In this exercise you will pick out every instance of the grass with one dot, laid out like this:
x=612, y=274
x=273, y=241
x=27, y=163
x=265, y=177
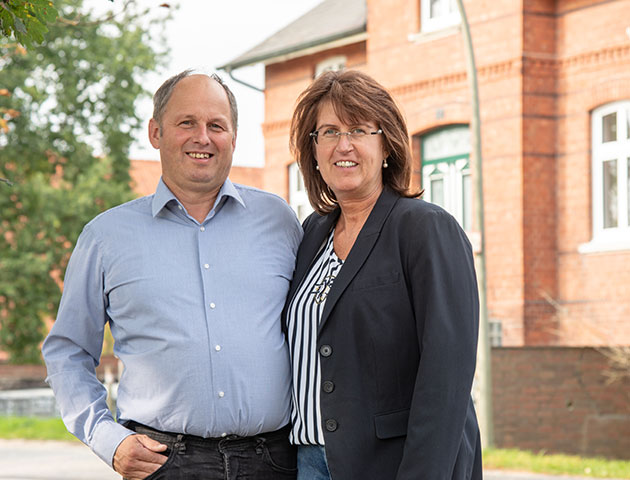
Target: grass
x=32, y=428
x=555, y=464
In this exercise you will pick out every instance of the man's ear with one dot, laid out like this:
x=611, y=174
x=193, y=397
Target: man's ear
x=154, y=134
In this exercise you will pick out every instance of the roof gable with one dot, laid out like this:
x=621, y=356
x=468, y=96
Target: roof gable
x=329, y=21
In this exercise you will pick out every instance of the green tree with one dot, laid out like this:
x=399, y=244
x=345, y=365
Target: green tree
x=26, y=20
x=64, y=148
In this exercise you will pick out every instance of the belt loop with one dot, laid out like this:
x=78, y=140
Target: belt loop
x=180, y=445
x=260, y=444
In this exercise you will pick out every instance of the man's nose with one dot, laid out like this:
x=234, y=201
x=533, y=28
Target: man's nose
x=201, y=135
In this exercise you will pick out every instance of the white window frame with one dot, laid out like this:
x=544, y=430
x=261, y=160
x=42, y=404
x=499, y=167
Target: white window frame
x=452, y=173
x=331, y=64
x=612, y=238
x=298, y=198
x=495, y=333
x=450, y=165
x=430, y=23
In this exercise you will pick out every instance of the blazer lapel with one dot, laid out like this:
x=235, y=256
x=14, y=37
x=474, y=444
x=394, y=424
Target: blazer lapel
x=313, y=238
x=360, y=250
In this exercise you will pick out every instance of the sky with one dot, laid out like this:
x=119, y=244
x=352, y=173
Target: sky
x=204, y=34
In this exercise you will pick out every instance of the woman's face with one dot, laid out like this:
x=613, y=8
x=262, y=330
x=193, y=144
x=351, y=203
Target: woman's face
x=352, y=168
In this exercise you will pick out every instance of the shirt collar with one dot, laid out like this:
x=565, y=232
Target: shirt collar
x=163, y=196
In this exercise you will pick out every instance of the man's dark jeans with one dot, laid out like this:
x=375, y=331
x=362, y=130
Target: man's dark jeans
x=267, y=456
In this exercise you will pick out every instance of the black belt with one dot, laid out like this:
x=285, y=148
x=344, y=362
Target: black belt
x=170, y=438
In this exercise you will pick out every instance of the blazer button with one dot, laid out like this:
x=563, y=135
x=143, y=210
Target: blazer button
x=328, y=386
x=325, y=350
x=331, y=425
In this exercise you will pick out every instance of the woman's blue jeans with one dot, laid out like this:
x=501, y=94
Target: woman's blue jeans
x=311, y=463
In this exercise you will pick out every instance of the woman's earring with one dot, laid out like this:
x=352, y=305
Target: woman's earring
x=316, y=167
x=385, y=165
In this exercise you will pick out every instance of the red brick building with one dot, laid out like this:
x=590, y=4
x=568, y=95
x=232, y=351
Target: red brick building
x=554, y=80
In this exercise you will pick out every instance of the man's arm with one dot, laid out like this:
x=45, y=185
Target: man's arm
x=72, y=351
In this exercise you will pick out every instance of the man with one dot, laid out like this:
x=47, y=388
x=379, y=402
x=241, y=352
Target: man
x=192, y=281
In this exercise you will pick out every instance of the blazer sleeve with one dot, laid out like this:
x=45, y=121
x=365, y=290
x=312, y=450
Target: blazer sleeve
x=440, y=276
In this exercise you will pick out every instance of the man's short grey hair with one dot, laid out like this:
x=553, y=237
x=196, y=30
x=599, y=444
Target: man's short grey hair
x=163, y=94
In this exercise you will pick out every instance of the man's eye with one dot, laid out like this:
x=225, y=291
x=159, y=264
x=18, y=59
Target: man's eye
x=329, y=132
x=358, y=131
x=216, y=127
x=186, y=123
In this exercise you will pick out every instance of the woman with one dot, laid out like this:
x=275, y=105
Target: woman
x=382, y=315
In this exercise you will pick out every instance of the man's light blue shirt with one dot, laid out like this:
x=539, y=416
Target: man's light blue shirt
x=195, y=313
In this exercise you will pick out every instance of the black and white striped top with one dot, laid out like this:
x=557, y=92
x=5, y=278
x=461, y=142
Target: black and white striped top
x=304, y=315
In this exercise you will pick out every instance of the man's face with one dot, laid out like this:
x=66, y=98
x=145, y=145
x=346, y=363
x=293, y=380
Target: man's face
x=196, y=139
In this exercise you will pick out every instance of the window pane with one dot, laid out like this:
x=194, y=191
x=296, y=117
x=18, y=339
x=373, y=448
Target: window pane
x=609, y=127
x=610, y=193
x=438, y=8
x=446, y=143
x=495, y=333
x=467, y=202
x=437, y=192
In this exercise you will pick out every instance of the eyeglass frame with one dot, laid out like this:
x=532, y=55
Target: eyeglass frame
x=315, y=134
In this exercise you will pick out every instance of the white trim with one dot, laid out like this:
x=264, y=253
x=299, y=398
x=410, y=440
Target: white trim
x=430, y=23
x=602, y=245
x=342, y=42
x=298, y=198
x=452, y=175
x=425, y=37
x=612, y=238
x=331, y=64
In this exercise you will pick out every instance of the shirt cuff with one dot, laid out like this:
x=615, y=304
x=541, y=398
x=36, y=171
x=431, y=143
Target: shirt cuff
x=107, y=436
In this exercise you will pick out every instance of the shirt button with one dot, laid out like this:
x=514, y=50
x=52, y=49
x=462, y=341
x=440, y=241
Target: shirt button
x=331, y=425
x=180, y=207
x=328, y=386
x=206, y=266
x=212, y=305
x=203, y=229
x=217, y=348
x=221, y=394
x=325, y=350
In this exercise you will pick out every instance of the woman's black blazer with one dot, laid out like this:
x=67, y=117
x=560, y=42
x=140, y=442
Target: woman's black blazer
x=397, y=344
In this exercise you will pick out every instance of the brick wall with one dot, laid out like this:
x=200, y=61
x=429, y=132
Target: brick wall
x=145, y=175
x=543, y=65
x=545, y=398
x=557, y=399
x=593, y=51
x=33, y=376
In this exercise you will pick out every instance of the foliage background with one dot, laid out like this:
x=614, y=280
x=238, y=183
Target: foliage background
x=67, y=115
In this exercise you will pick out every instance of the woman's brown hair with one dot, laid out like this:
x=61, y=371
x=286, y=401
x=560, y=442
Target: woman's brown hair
x=355, y=98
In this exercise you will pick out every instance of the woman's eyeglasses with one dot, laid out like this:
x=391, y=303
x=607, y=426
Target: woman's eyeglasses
x=330, y=136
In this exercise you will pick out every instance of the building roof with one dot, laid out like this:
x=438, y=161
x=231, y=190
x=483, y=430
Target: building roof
x=329, y=21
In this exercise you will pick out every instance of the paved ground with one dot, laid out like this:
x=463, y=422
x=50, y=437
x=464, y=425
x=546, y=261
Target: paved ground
x=34, y=460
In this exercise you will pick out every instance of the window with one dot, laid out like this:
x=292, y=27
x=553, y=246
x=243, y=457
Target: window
x=495, y=333
x=438, y=14
x=611, y=172
x=331, y=64
x=446, y=175
x=298, y=199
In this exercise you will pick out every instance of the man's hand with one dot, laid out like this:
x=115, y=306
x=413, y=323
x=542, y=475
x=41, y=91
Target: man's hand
x=137, y=457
